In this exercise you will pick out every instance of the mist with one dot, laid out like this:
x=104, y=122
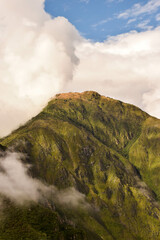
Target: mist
x=41, y=56
x=17, y=185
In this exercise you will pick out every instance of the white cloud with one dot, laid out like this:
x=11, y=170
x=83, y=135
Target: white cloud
x=124, y=67
x=158, y=17
x=144, y=25
x=131, y=20
x=138, y=9
x=101, y=22
x=37, y=58
x=16, y=184
x=85, y=1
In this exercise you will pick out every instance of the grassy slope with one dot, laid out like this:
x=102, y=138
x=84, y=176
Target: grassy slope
x=145, y=154
x=86, y=141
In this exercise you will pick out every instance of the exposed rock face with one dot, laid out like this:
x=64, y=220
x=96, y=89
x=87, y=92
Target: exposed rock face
x=107, y=150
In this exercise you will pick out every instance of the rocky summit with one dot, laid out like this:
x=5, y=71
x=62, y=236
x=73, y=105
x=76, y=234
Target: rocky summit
x=106, y=151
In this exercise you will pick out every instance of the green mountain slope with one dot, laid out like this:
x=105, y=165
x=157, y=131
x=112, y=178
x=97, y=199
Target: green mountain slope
x=107, y=150
x=145, y=153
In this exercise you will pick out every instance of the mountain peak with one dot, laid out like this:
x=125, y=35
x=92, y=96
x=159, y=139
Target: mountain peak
x=82, y=95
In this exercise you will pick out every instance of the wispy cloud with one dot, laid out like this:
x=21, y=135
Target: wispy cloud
x=144, y=25
x=138, y=9
x=158, y=17
x=101, y=22
x=131, y=20
x=85, y=1
x=66, y=7
x=110, y=1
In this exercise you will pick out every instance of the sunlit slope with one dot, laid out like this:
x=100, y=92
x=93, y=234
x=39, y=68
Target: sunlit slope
x=90, y=142
x=145, y=153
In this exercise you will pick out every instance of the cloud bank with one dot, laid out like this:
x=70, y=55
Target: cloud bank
x=37, y=59
x=16, y=184
x=41, y=56
x=124, y=67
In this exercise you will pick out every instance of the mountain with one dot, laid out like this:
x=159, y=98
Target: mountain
x=105, y=149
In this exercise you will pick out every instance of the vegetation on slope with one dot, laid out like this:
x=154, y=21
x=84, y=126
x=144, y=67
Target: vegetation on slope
x=105, y=149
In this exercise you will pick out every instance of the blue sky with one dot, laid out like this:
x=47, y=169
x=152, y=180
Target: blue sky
x=98, y=19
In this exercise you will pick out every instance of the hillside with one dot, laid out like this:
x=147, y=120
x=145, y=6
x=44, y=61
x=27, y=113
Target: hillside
x=107, y=150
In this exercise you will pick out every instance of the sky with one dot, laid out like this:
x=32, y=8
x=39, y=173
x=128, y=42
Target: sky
x=98, y=19
x=51, y=46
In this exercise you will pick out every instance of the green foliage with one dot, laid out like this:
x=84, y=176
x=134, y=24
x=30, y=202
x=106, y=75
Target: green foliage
x=35, y=222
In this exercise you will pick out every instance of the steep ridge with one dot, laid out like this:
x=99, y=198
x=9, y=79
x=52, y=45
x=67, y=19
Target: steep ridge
x=104, y=148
